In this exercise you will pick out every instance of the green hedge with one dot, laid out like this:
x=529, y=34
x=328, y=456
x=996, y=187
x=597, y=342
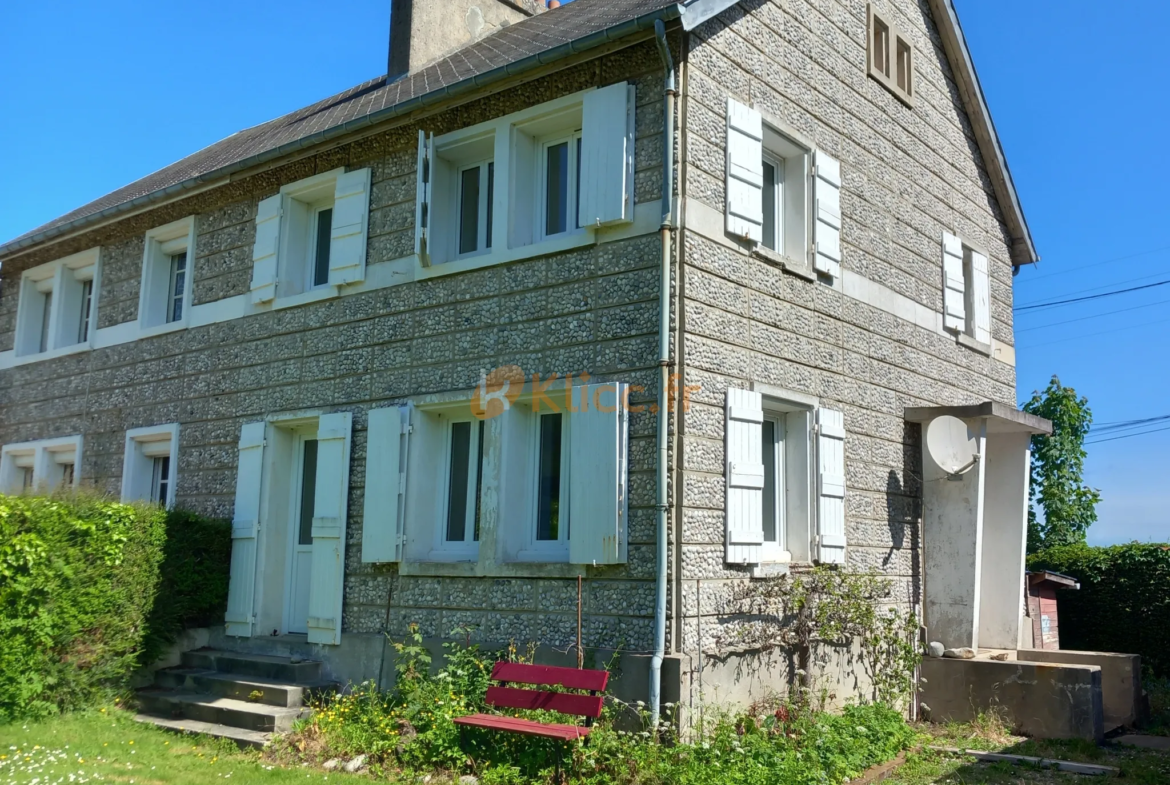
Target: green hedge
x=90, y=589
x=1123, y=604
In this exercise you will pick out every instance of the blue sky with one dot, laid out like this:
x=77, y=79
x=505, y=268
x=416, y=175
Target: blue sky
x=94, y=95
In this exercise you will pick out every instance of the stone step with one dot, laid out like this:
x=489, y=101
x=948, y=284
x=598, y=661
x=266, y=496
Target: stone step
x=220, y=711
x=263, y=666
x=252, y=689
x=244, y=738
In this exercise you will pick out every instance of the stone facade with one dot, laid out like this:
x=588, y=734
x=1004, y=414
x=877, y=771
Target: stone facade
x=738, y=319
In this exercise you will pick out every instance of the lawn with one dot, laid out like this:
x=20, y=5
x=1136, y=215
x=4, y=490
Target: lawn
x=109, y=746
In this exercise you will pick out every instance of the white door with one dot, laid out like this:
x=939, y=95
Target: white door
x=301, y=534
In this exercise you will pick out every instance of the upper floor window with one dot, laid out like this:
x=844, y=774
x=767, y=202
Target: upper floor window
x=48, y=464
x=166, y=274
x=311, y=237
x=55, y=309
x=891, y=57
x=966, y=290
x=560, y=184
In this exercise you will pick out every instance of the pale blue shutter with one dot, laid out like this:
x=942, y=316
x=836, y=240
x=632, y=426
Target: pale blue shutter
x=351, y=213
x=386, y=443
x=607, y=157
x=830, y=486
x=744, y=476
x=827, y=239
x=327, y=586
x=954, y=285
x=745, y=172
x=264, y=249
x=598, y=495
x=245, y=528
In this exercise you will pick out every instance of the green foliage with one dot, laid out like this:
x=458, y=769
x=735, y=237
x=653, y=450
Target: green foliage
x=83, y=597
x=410, y=731
x=193, y=580
x=1058, y=468
x=1122, y=605
x=836, y=607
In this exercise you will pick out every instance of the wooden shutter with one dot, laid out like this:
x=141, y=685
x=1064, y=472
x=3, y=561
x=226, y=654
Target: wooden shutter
x=745, y=172
x=245, y=528
x=830, y=487
x=607, y=157
x=745, y=477
x=954, y=285
x=264, y=250
x=598, y=498
x=351, y=215
x=981, y=297
x=327, y=582
x=382, y=531
x=422, y=210
x=827, y=227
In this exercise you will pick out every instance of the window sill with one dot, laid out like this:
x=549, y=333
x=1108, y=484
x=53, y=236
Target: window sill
x=161, y=329
x=504, y=255
x=311, y=296
x=11, y=359
x=976, y=346
x=486, y=569
x=785, y=263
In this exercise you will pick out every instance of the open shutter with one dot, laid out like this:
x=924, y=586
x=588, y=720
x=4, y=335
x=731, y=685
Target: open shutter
x=954, y=285
x=245, y=527
x=351, y=214
x=830, y=487
x=329, y=513
x=745, y=172
x=265, y=248
x=382, y=535
x=607, y=156
x=745, y=477
x=827, y=240
x=598, y=498
x=981, y=299
x=422, y=209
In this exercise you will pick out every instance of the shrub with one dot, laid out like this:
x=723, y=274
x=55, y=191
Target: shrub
x=1122, y=604
x=82, y=599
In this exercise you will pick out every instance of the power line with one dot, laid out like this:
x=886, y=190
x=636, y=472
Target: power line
x=1091, y=335
x=1127, y=436
x=1129, y=423
x=1091, y=297
x=1093, y=316
x=1105, y=285
x=1098, y=264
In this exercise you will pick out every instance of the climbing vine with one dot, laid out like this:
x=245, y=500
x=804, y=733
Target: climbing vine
x=836, y=608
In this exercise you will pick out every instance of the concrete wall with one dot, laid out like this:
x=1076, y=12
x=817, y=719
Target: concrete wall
x=1005, y=539
x=1040, y=700
x=1121, y=680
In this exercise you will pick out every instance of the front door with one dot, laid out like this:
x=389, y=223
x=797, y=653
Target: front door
x=301, y=536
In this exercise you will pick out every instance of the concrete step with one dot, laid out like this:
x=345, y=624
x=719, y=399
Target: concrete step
x=263, y=666
x=244, y=738
x=175, y=705
x=252, y=689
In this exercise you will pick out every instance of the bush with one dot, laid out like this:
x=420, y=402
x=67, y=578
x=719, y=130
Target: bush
x=410, y=729
x=1122, y=605
x=83, y=601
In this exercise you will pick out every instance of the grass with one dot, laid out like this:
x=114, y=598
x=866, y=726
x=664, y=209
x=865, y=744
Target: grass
x=107, y=745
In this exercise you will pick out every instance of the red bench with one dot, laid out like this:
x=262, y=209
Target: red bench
x=503, y=696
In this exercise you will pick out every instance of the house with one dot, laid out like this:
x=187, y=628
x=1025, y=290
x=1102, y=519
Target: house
x=444, y=344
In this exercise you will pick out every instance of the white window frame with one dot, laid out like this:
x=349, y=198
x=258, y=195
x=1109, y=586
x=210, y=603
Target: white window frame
x=156, y=297
x=572, y=196
x=534, y=550
x=793, y=160
x=301, y=204
x=484, y=209
x=143, y=446
x=468, y=548
x=48, y=459
x=313, y=246
x=43, y=333
x=794, y=500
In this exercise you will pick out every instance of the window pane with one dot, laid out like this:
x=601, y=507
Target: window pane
x=67, y=474
x=86, y=307
x=577, y=195
x=881, y=47
x=308, y=492
x=45, y=314
x=556, y=200
x=548, y=507
x=162, y=471
x=491, y=197
x=770, y=206
x=478, y=478
x=469, y=210
x=324, y=234
x=904, y=68
x=769, y=461
x=26, y=478
x=178, y=286
x=457, y=491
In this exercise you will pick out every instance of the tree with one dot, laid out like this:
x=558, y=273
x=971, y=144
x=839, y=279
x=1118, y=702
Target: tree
x=1058, y=467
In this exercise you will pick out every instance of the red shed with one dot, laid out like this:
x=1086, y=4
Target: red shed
x=1042, y=586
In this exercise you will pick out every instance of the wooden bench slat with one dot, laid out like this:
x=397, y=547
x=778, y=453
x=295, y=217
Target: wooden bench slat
x=525, y=727
x=550, y=676
x=564, y=702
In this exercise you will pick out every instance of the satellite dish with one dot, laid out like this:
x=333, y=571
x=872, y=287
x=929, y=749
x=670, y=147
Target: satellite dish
x=951, y=444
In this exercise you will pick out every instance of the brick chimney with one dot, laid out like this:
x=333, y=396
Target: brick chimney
x=423, y=31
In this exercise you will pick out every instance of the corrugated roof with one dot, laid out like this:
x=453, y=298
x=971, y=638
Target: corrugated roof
x=511, y=45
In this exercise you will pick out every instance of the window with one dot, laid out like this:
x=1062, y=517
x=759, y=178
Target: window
x=550, y=529
x=785, y=196
x=476, y=194
x=966, y=291
x=464, y=477
x=462, y=174
x=48, y=464
x=560, y=185
x=891, y=57
x=784, y=435
x=55, y=308
x=311, y=237
x=150, y=463
x=166, y=275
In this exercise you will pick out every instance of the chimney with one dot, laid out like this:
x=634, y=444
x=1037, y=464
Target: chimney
x=423, y=31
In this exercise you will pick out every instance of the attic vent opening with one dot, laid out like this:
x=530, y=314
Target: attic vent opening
x=891, y=57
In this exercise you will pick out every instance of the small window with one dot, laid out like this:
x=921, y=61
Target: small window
x=785, y=196
x=166, y=274
x=787, y=461
x=306, y=234
x=560, y=185
x=463, y=193
x=46, y=309
x=308, y=491
x=891, y=57
x=549, y=532
x=43, y=465
x=148, y=467
x=323, y=221
x=476, y=193
x=26, y=478
x=160, y=480
x=55, y=307
x=464, y=476
x=86, y=311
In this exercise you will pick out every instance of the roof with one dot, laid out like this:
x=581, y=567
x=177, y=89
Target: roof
x=526, y=45
x=1001, y=418
x=1059, y=578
